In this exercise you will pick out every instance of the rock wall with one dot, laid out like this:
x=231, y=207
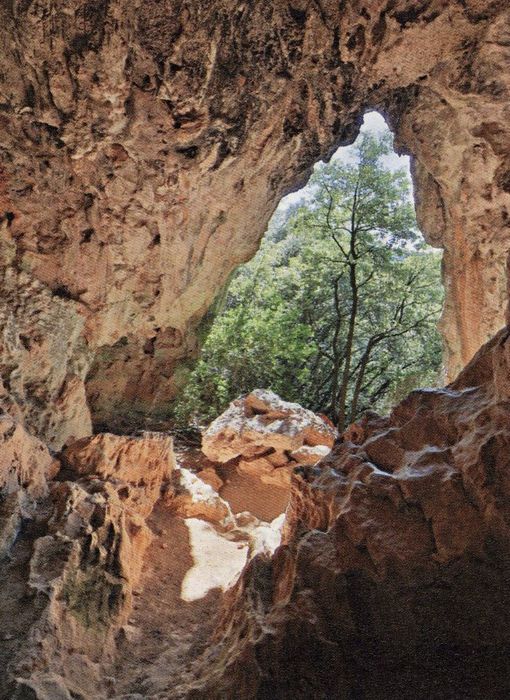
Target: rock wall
x=391, y=581
x=144, y=146
x=71, y=553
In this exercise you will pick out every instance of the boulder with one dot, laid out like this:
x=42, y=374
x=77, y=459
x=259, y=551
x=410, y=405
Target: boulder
x=255, y=467
x=261, y=423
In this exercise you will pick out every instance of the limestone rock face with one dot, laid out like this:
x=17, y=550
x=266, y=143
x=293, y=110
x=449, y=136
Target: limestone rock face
x=70, y=569
x=111, y=568
x=25, y=461
x=309, y=454
x=139, y=465
x=391, y=581
x=191, y=496
x=43, y=355
x=25, y=468
x=144, y=147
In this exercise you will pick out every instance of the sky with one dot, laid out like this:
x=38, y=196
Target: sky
x=373, y=123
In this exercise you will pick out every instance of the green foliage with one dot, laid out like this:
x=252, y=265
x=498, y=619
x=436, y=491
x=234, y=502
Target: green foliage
x=93, y=597
x=338, y=309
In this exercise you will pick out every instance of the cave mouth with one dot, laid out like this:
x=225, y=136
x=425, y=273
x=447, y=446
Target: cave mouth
x=255, y=485
x=238, y=490
x=261, y=316
x=267, y=332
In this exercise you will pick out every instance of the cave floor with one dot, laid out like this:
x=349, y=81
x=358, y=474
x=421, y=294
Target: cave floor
x=165, y=633
x=188, y=565
x=247, y=493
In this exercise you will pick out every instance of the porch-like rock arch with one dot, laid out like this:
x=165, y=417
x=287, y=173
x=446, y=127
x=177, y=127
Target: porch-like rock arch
x=145, y=147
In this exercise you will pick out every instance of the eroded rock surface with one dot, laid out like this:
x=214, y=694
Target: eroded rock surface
x=392, y=578
x=114, y=558
x=144, y=147
x=25, y=468
x=263, y=430
x=25, y=461
x=138, y=466
x=70, y=566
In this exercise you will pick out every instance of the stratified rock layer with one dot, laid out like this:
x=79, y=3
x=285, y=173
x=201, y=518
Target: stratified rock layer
x=144, y=147
x=392, y=581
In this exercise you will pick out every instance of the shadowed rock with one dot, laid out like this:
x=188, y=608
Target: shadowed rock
x=391, y=581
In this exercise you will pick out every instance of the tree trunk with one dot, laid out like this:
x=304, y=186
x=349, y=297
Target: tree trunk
x=342, y=399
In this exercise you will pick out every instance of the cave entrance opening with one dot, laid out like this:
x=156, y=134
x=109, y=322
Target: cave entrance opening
x=337, y=312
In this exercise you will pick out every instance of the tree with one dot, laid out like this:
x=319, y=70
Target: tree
x=338, y=309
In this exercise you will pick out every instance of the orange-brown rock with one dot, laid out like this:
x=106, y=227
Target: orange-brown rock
x=76, y=559
x=190, y=496
x=136, y=465
x=25, y=462
x=82, y=570
x=144, y=148
x=26, y=466
x=258, y=440
x=309, y=454
x=259, y=466
x=391, y=581
x=210, y=476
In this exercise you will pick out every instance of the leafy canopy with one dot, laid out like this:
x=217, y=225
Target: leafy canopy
x=338, y=309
